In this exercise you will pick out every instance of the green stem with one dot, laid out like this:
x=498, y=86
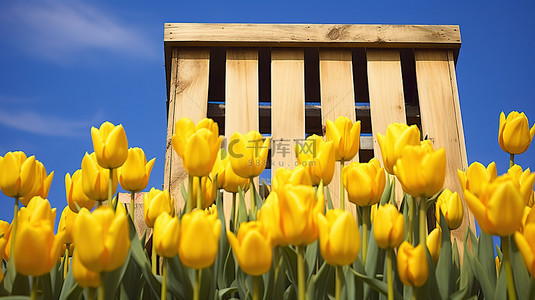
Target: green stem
x=301, y=272
x=154, y=256
x=235, y=211
x=33, y=294
x=110, y=187
x=197, y=288
x=277, y=257
x=422, y=214
x=256, y=289
x=91, y=293
x=511, y=160
x=199, y=194
x=389, y=279
x=339, y=278
x=189, y=203
x=412, y=209
x=252, y=195
x=365, y=222
x=66, y=261
x=14, y=228
x=164, y=280
x=101, y=291
x=342, y=190
x=508, y=271
x=132, y=207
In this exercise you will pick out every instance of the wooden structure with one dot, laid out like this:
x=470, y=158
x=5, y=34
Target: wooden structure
x=286, y=80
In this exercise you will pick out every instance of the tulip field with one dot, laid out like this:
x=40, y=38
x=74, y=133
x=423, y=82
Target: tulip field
x=292, y=244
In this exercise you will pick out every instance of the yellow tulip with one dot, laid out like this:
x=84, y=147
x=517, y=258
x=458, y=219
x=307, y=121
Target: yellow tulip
x=389, y=226
x=41, y=185
x=38, y=210
x=197, y=145
x=525, y=179
x=434, y=242
x=412, y=265
x=66, y=223
x=297, y=176
x=421, y=170
x=248, y=153
x=37, y=248
x=477, y=177
x=531, y=200
x=226, y=178
x=269, y=216
x=3, y=244
x=5, y=232
x=497, y=262
x=515, y=136
x=339, y=237
x=166, y=233
x=212, y=210
x=110, y=144
x=451, y=206
x=84, y=277
x=75, y=192
x=528, y=216
x=317, y=157
x=195, y=253
x=208, y=191
x=252, y=248
x=345, y=136
x=17, y=174
x=95, y=179
x=101, y=238
x=398, y=135
x=525, y=242
x=156, y=202
x=364, y=182
x=373, y=212
x=499, y=208
x=135, y=172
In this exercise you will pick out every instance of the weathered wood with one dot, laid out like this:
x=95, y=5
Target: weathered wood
x=288, y=105
x=387, y=102
x=188, y=98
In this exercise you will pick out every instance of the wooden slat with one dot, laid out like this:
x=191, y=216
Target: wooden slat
x=337, y=99
x=288, y=105
x=241, y=98
x=387, y=103
x=440, y=113
x=188, y=98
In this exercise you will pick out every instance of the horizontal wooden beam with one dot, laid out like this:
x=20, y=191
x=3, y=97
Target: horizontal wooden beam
x=312, y=35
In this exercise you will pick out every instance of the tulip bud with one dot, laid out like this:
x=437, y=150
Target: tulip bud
x=317, y=157
x=252, y=248
x=66, y=222
x=345, y=136
x=38, y=210
x=3, y=244
x=525, y=179
x=528, y=217
x=226, y=178
x=434, y=242
x=166, y=235
x=515, y=136
x=208, y=190
x=75, y=192
x=525, y=242
x=17, y=174
x=5, y=232
x=248, y=153
x=477, y=177
x=451, y=206
x=95, y=179
x=389, y=226
x=135, y=172
x=364, y=182
x=297, y=176
x=195, y=225
x=84, y=277
x=412, y=265
x=270, y=217
x=110, y=144
x=339, y=237
x=156, y=202
x=398, y=135
x=41, y=185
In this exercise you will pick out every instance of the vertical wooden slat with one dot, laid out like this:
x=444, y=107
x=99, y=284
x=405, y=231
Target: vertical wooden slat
x=287, y=105
x=188, y=98
x=241, y=99
x=387, y=103
x=337, y=99
x=441, y=118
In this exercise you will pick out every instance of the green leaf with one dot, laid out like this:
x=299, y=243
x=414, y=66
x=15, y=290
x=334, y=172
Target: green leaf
x=227, y=291
x=70, y=290
x=112, y=280
x=485, y=250
x=387, y=192
x=444, y=270
x=290, y=259
x=501, y=285
x=311, y=257
x=131, y=283
x=520, y=272
x=479, y=272
x=184, y=195
x=328, y=197
x=242, y=209
x=179, y=279
x=376, y=284
x=45, y=285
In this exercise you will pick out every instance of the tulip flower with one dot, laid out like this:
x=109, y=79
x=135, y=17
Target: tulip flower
x=434, y=242
x=412, y=265
x=339, y=237
x=3, y=244
x=515, y=135
x=248, y=153
x=41, y=185
x=317, y=157
x=66, y=223
x=110, y=144
x=421, y=170
x=345, y=136
x=525, y=179
x=398, y=135
x=208, y=191
x=5, y=232
x=101, y=238
x=498, y=209
x=531, y=200
x=75, y=192
x=528, y=217
x=83, y=276
x=477, y=177
x=166, y=235
x=37, y=211
x=389, y=228
x=195, y=225
x=135, y=172
x=451, y=206
x=197, y=145
x=156, y=202
x=226, y=178
x=525, y=242
x=17, y=174
x=252, y=248
x=297, y=176
x=95, y=179
x=269, y=216
x=364, y=182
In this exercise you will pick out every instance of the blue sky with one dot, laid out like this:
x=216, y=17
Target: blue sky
x=66, y=66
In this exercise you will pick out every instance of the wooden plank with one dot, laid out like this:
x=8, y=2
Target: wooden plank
x=387, y=103
x=337, y=99
x=188, y=98
x=441, y=119
x=310, y=35
x=288, y=105
x=241, y=98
